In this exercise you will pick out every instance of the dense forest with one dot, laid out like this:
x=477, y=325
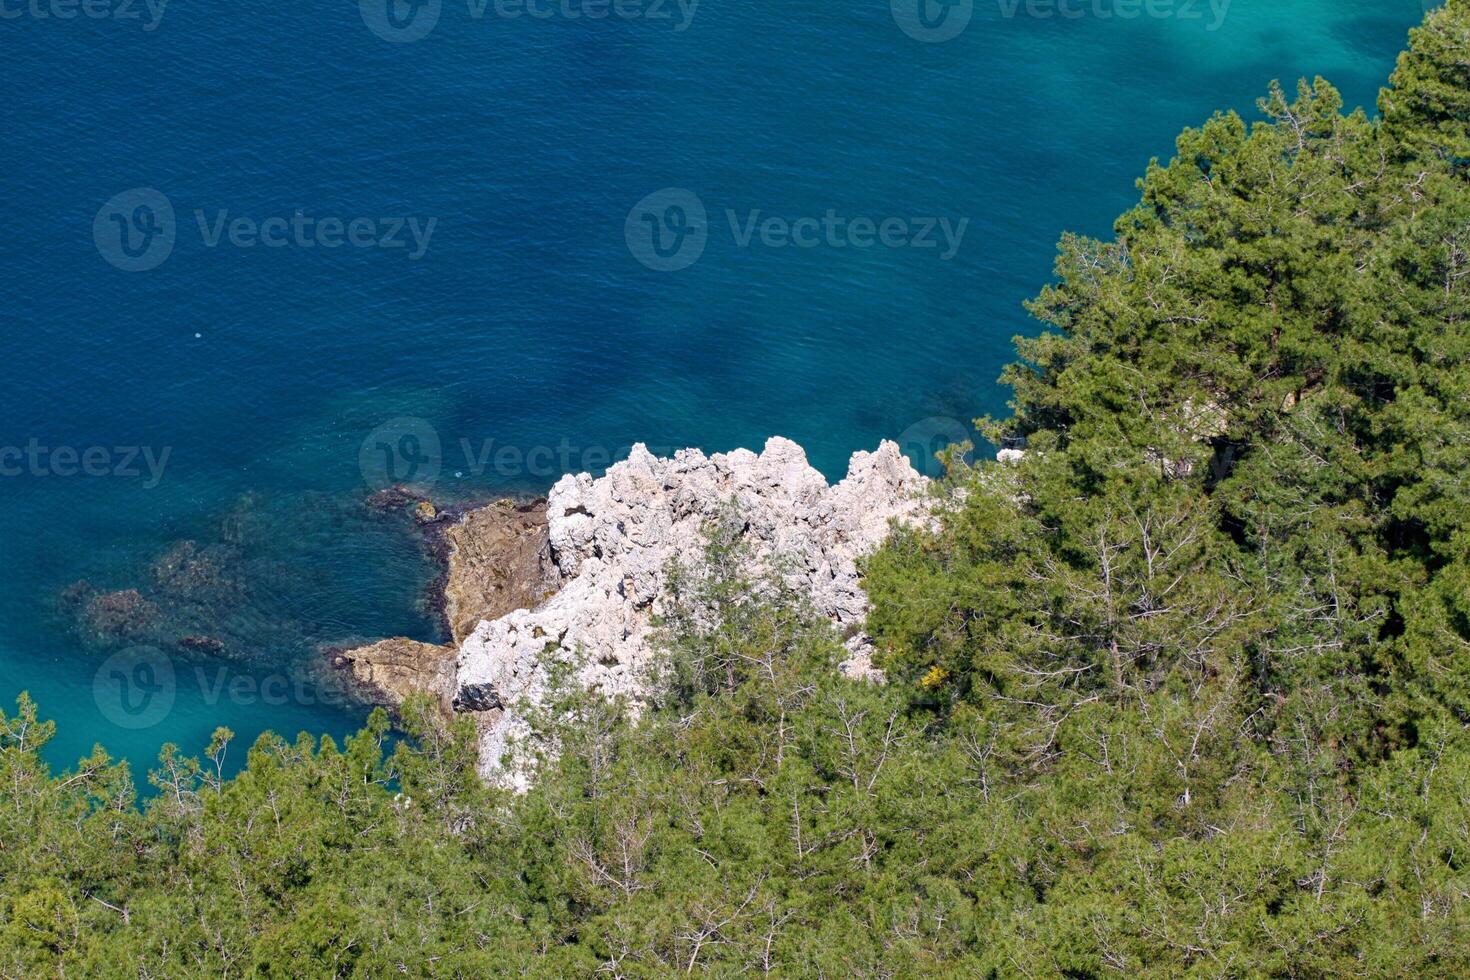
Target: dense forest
x=1183, y=691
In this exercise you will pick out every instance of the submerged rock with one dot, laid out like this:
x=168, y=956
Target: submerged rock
x=189, y=572
x=202, y=644
x=247, y=591
x=394, y=500
x=121, y=616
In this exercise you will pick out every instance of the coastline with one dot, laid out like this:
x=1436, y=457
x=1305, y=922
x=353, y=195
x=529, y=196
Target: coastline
x=492, y=558
x=573, y=585
x=436, y=528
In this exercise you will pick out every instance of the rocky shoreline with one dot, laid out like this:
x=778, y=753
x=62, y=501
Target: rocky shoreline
x=493, y=558
x=575, y=581
x=569, y=585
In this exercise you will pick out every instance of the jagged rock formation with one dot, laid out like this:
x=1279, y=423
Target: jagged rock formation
x=577, y=580
x=612, y=540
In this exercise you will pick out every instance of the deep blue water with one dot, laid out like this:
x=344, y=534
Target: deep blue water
x=527, y=321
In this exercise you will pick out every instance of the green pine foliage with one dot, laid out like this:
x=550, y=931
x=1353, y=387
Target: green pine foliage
x=1185, y=692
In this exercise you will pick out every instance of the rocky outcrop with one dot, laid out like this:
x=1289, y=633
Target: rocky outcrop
x=390, y=671
x=612, y=540
x=576, y=581
x=496, y=559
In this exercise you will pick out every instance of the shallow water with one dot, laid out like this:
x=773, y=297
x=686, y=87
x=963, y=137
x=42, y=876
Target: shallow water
x=527, y=338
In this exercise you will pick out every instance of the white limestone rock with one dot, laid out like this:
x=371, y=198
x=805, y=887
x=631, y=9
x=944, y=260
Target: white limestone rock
x=613, y=538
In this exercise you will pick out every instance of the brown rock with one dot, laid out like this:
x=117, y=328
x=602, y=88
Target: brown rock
x=77, y=593
x=499, y=560
x=391, y=670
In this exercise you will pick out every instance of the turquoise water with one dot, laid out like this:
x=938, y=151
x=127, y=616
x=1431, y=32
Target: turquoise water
x=527, y=337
